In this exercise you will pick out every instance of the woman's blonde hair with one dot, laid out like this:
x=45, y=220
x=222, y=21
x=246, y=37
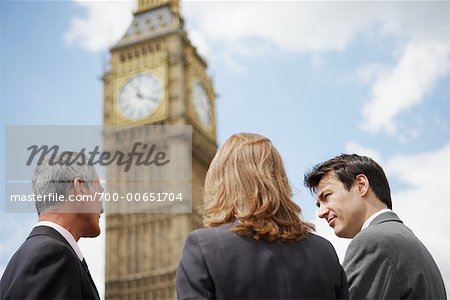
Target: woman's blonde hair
x=246, y=181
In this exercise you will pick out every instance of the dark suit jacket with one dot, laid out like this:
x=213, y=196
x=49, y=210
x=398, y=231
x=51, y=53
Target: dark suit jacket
x=218, y=263
x=46, y=267
x=387, y=261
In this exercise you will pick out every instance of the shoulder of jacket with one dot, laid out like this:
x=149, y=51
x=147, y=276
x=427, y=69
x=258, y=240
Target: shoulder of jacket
x=312, y=237
x=43, y=249
x=378, y=236
x=212, y=235
x=55, y=248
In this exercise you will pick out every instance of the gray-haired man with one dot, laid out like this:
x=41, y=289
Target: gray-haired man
x=49, y=264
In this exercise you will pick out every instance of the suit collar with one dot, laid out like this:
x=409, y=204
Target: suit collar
x=389, y=216
x=51, y=232
x=66, y=234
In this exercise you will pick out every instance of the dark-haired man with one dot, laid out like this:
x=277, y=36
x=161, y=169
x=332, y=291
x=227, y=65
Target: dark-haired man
x=385, y=260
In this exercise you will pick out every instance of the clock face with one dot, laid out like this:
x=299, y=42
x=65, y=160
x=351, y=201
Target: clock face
x=201, y=104
x=140, y=96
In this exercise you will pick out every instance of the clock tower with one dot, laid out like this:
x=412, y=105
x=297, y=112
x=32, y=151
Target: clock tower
x=156, y=77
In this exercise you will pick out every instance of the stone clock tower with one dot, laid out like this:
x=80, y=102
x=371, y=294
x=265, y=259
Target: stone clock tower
x=156, y=77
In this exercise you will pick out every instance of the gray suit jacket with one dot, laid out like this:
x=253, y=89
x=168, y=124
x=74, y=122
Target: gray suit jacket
x=219, y=264
x=387, y=261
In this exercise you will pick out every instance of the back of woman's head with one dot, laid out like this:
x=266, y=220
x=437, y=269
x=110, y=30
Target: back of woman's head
x=247, y=181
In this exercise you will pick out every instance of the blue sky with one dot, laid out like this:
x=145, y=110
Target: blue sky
x=318, y=79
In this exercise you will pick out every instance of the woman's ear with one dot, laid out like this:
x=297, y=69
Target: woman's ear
x=362, y=182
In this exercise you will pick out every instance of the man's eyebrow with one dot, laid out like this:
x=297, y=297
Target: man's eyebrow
x=320, y=195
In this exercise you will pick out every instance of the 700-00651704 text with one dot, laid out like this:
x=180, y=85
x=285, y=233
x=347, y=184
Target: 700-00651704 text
x=146, y=197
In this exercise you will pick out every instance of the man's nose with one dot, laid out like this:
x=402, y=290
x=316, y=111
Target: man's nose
x=323, y=211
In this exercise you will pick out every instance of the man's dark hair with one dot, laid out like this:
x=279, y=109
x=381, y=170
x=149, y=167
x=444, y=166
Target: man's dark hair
x=347, y=167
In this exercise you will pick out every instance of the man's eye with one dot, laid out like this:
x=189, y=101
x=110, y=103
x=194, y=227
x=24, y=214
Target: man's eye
x=318, y=204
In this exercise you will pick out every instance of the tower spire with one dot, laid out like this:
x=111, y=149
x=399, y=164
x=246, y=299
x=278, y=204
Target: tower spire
x=145, y=5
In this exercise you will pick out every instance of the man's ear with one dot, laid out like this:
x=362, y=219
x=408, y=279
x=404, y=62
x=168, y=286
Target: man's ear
x=362, y=182
x=79, y=186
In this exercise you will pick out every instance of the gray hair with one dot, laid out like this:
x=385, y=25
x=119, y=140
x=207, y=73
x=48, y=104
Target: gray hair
x=57, y=178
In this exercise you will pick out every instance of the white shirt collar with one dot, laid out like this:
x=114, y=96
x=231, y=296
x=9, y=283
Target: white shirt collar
x=370, y=219
x=66, y=234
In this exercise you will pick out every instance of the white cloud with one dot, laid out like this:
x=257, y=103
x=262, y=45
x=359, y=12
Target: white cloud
x=102, y=26
x=423, y=206
x=199, y=41
x=421, y=64
x=240, y=28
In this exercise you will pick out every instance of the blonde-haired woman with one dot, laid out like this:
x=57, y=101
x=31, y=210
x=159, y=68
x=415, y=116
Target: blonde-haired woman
x=256, y=246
